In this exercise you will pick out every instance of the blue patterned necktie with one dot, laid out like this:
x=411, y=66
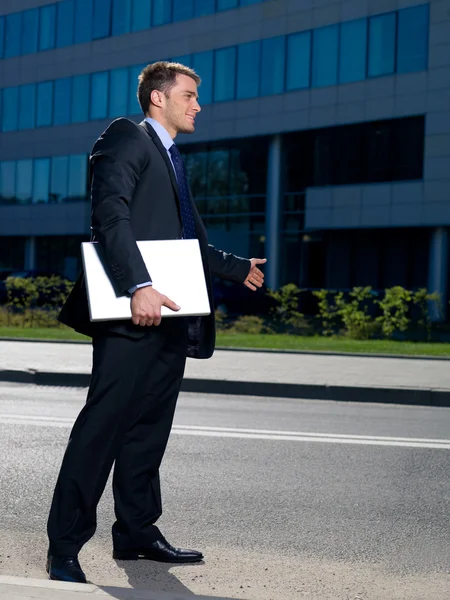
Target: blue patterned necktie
x=187, y=216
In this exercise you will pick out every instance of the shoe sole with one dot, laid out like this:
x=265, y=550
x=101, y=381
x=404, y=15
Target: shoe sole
x=137, y=556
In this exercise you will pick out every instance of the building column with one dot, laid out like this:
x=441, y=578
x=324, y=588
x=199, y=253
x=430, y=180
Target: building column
x=438, y=272
x=273, y=212
x=30, y=253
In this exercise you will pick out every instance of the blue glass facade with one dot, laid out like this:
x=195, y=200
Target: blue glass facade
x=350, y=51
x=80, y=21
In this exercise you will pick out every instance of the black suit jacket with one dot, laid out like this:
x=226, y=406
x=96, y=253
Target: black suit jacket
x=134, y=196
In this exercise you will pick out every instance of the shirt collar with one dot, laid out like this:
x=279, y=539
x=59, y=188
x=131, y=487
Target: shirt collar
x=161, y=132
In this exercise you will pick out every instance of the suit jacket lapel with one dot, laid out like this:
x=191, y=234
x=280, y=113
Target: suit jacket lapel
x=152, y=133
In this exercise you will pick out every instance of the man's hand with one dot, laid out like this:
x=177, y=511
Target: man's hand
x=255, y=277
x=146, y=306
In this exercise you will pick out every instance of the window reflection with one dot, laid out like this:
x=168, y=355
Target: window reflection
x=118, y=93
x=141, y=15
x=8, y=181
x=102, y=19
x=24, y=181
x=203, y=63
x=161, y=12
x=298, y=61
x=10, y=109
x=412, y=51
x=183, y=9
x=121, y=19
x=65, y=20
x=12, y=35
x=2, y=35
x=224, y=71
x=80, y=98
x=30, y=31
x=272, y=66
x=44, y=104
x=47, y=22
x=248, y=69
x=77, y=188
x=99, y=95
x=325, y=52
x=62, y=101
x=59, y=179
x=27, y=106
x=83, y=21
x=353, y=51
x=41, y=180
x=382, y=45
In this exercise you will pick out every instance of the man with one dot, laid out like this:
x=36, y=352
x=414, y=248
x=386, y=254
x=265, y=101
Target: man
x=139, y=191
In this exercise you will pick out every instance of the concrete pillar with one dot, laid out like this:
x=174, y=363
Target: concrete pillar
x=438, y=272
x=273, y=212
x=30, y=253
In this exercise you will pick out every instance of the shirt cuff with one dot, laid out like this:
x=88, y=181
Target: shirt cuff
x=131, y=290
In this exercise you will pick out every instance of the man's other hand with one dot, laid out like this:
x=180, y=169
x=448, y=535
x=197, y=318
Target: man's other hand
x=255, y=277
x=146, y=306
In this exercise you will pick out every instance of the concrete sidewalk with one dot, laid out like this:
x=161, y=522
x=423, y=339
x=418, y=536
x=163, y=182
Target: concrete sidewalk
x=328, y=377
x=20, y=588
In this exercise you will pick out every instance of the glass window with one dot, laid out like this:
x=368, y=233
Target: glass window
x=218, y=173
x=298, y=61
x=65, y=20
x=27, y=106
x=83, y=21
x=412, y=45
x=202, y=63
x=10, y=115
x=41, y=180
x=101, y=26
x=141, y=15
x=184, y=59
x=353, y=51
x=272, y=66
x=224, y=74
x=59, y=179
x=226, y=4
x=80, y=98
x=30, y=30
x=13, y=35
x=44, y=104
x=99, y=95
x=2, y=35
x=61, y=104
x=183, y=9
x=121, y=20
x=196, y=167
x=248, y=70
x=8, y=181
x=77, y=177
x=161, y=12
x=204, y=7
x=382, y=45
x=325, y=52
x=47, y=27
x=118, y=93
x=24, y=181
x=133, y=102
x=248, y=2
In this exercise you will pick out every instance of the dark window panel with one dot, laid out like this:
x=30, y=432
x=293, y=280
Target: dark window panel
x=121, y=19
x=161, y=12
x=13, y=35
x=27, y=106
x=99, y=95
x=83, y=21
x=47, y=24
x=204, y=7
x=349, y=149
x=379, y=150
x=59, y=179
x=408, y=148
x=218, y=173
x=324, y=58
x=44, y=104
x=65, y=23
x=353, y=51
x=248, y=70
x=224, y=74
x=324, y=157
x=12, y=253
x=8, y=182
x=133, y=103
x=30, y=31
x=203, y=63
x=10, y=116
x=118, y=93
x=101, y=27
x=412, y=46
x=272, y=66
x=80, y=98
x=196, y=166
x=24, y=181
x=382, y=44
x=41, y=180
x=77, y=189
x=226, y=4
x=298, y=61
x=183, y=9
x=62, y=101
x=141, y=15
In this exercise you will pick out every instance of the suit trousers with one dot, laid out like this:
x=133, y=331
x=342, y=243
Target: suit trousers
x=126, y=420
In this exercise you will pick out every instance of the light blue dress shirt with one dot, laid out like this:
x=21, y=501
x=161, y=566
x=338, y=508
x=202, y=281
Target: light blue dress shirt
x=167, y=142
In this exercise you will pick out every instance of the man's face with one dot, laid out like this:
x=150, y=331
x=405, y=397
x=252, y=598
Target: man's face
x=181, y=106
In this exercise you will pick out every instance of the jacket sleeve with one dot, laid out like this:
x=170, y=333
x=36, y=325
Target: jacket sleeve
x=228, y=266
x=116, y=163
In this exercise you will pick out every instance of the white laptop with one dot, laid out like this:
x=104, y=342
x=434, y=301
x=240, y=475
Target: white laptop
x=175, y=267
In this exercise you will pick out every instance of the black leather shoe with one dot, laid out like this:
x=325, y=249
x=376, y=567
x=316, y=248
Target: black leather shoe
x=160, y=551
x=65, y=568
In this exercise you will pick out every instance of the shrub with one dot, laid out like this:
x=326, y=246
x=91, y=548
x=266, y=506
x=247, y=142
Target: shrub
x=395, y=307
x=358, y=324
x=329, y=311
x=285, y=314
x=249, y=324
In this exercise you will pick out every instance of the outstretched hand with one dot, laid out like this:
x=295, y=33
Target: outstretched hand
x=255, y=277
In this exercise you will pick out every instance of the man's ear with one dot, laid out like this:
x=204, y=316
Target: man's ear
x=156, y=98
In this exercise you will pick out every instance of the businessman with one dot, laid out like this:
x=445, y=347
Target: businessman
x=139, y=191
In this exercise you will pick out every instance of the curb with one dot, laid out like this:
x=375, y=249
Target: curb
x=405, y=396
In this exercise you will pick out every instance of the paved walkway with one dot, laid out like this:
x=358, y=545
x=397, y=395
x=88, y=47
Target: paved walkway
x=268, y=367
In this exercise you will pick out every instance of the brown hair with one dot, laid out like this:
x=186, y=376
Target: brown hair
x=160, y=76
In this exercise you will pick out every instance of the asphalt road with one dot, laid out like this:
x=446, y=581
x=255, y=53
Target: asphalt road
x=287, y=498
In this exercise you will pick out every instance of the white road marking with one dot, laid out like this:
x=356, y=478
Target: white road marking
x=253, y=434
